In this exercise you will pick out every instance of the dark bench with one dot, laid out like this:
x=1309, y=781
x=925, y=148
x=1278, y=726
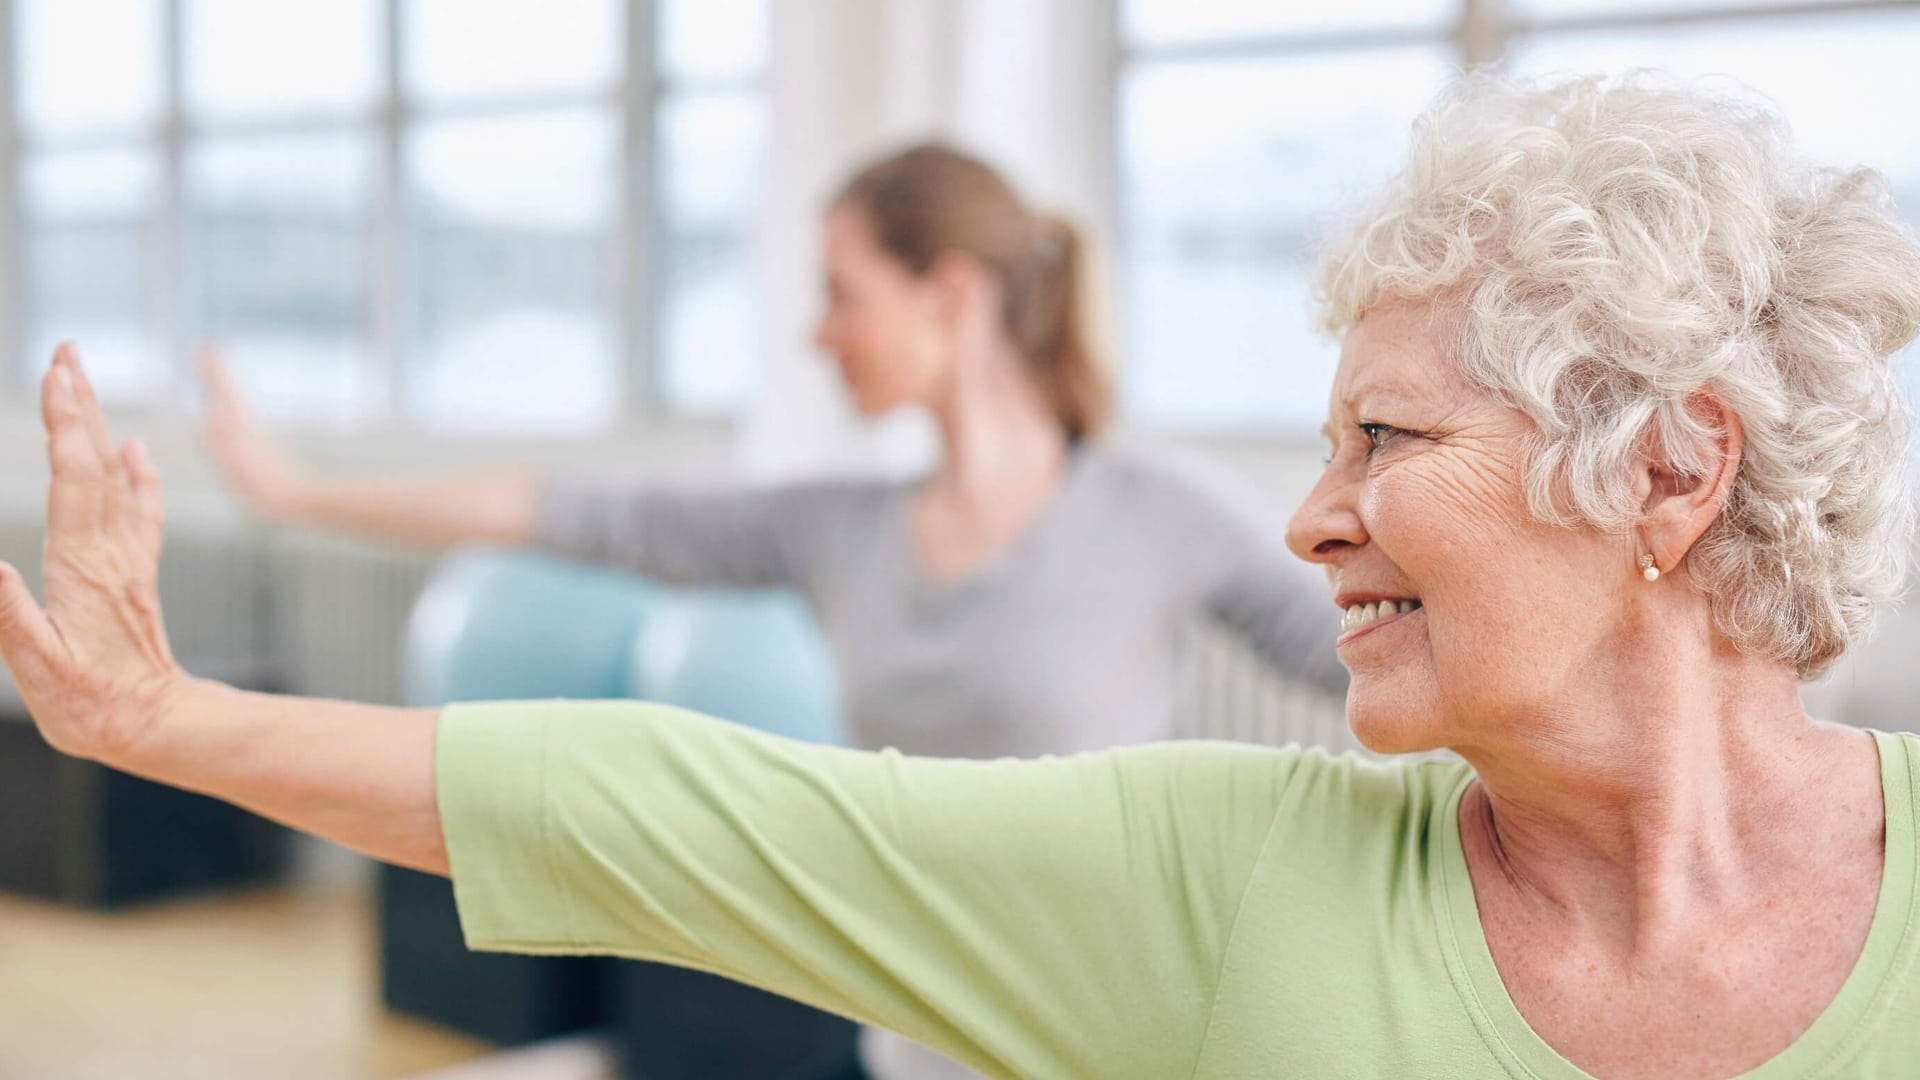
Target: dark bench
x=82, y=834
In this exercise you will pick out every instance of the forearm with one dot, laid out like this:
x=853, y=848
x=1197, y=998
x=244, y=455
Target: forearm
x=492, y=508
x=359, y=775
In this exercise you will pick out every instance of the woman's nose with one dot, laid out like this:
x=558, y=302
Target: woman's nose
x=1328, y=522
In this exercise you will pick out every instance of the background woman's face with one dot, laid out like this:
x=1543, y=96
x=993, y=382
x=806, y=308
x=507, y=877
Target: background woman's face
x=882, y=325
x=1422, y=503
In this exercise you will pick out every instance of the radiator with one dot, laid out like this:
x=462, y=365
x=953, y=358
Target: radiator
x=1226, y=691
x=338, y=616
x=304, y=614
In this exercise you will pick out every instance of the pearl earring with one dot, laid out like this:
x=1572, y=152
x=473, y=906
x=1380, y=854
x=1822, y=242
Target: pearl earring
x=1647, y=569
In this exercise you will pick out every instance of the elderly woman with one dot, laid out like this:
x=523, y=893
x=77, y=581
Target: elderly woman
x=1616, y=462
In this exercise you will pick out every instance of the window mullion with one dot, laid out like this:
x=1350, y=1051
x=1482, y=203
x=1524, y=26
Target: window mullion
x=636, y=288
x=1482, y=32
x=387, y=254
x=12, y=326
x=170, y=259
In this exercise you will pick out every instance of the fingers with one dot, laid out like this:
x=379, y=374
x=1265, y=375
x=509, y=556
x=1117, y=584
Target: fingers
x=77, y=498
x=87, y=406
x=27, y=637
x=222, y=396
x=225, y=418
x=76, y=441
x=93, y=485
x=149, y=502
x=213, y=373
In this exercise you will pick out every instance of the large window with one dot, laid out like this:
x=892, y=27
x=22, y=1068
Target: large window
x=467, y=215
x=1244, y=124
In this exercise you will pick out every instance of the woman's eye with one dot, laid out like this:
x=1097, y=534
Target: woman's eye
x=1377, y=434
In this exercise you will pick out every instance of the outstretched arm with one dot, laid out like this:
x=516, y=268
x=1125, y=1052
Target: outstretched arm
x=771, y=536
x=95, y=670
x=496, y=507
x=1063, y=917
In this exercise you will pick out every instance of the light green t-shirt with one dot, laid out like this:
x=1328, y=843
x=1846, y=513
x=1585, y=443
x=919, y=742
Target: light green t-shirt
x=1185, y=910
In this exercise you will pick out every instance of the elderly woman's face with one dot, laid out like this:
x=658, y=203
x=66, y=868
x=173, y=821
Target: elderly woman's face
x=1463, y=613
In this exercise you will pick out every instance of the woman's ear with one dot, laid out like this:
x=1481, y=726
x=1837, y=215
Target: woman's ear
x=964, y=290
x=1680, y=503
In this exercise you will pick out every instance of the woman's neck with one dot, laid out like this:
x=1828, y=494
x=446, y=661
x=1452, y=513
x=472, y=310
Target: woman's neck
x=1653, y=803
x=1001, y=443
x=1005, y=456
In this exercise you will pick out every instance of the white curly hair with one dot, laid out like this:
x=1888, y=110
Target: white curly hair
x=1613, y=247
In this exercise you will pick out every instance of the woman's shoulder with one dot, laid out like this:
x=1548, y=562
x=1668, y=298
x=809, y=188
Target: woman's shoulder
x=1359, y=828
x=1194, y=499
x=842, y=489
x=1160, y=472
x=831, y=500
x=1369, y=792
x=1900, y=772
x=1322, y=789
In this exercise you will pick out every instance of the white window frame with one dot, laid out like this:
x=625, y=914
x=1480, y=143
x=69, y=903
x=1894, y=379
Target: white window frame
x=1479, y=33
x=634, y=99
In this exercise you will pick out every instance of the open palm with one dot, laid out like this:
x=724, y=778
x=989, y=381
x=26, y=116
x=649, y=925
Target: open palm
x=253, y=464
x=93, y=665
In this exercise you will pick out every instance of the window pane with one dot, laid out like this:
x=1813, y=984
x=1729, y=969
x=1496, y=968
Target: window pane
x=1229, y=169
x=1564, y=8
x=1170, y=22
x=1845, y=81
x=85, y=250
x=279, y=235
x=463, y=49
x=248, y=57
x=709, y=297
x=87, y=64
x=510, y=226
x=713, y=38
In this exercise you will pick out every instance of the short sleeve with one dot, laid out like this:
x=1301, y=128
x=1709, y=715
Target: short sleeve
x=1050, y=918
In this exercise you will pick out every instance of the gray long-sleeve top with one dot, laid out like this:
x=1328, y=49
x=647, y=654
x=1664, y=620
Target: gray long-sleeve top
x=1064, y=642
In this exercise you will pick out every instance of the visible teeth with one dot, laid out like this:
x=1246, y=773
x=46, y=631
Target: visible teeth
x=1360, y=615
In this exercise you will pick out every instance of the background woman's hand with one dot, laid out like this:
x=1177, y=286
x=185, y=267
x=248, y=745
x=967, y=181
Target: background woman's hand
x=254, y=465
x=93, y=666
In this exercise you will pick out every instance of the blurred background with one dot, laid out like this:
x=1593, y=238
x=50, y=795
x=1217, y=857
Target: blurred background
x=583, y=234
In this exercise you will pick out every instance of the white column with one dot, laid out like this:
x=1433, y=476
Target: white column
x=827, y=81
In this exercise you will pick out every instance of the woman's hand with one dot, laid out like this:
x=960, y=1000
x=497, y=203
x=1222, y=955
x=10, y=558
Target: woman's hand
x=253, y=464
x=93, y=666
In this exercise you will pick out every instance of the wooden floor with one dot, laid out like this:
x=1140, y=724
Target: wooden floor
x=269, y=985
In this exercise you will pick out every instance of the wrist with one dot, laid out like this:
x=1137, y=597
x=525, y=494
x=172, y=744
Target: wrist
x=288, y=498
x=161, y=716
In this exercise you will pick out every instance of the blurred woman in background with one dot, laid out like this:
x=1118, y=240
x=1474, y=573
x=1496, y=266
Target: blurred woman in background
x=1024, y=599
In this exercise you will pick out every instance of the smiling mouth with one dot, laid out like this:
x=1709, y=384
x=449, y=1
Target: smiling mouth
x=1359, y=615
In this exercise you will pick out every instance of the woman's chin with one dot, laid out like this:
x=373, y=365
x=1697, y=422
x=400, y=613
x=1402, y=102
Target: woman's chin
x=1383, y=728
x=873, y=406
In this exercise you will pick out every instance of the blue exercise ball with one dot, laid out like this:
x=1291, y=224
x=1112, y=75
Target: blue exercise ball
x=753, y=657
x=499, y=625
